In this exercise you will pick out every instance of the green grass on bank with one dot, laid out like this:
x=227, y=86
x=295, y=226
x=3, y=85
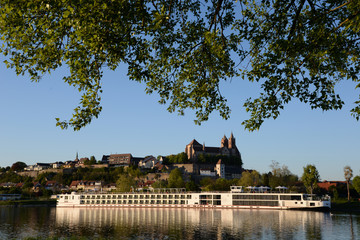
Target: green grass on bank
x=342, y=205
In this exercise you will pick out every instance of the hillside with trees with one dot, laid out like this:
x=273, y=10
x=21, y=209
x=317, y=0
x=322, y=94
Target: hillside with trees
x=130, y=178
x=182, y=158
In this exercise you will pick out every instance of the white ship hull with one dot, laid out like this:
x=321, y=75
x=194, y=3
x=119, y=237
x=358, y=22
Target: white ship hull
x=281, y=201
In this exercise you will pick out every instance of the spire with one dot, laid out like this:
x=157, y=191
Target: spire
x=232, y=141
x=77, y=156
x=224, y=142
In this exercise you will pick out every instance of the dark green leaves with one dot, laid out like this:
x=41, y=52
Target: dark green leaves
x=298, y=49
x=183, y=50
x=310, y=178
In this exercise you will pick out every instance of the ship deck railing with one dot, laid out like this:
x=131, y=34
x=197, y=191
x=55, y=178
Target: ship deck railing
x=199, y=192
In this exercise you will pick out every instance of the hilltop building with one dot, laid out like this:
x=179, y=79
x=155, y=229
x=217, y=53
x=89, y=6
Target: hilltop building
x=227, y=148
x=120, y=160
x=221, y=169
x=148, y=162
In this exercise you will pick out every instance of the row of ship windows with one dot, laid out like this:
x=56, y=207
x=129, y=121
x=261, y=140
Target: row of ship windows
x=133, y=202
x=210, y=196
x=256, y=203
x=268, y=197
x=247, y=203
x=131, y=196
x=290, y=197
x=253, y=196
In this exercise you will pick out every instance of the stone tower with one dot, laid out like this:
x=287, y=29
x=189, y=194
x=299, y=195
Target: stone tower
x=231, y=142
x=224, y=142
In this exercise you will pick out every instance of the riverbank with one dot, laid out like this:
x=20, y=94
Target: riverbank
x=29, y=202
x=345, y=206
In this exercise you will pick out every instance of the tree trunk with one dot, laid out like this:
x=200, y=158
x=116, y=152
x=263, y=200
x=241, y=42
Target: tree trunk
x=348, y=190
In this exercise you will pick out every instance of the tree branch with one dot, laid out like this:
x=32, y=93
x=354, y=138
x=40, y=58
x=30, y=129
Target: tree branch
x=334, y=9
x=295, y=20
x=218, y=7
x=346, y=20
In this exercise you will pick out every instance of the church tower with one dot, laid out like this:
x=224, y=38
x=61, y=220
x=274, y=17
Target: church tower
x=224, y=142
x=232, y=142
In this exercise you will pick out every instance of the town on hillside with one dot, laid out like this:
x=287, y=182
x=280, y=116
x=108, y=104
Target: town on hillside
x=199, y=167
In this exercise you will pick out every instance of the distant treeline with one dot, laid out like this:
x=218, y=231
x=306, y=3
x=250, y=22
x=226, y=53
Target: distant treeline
x=182, y=158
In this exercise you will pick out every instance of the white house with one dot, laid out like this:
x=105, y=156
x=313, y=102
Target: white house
x=148, y=162
x=220, y=169
x=57, y=165
x=41, y=166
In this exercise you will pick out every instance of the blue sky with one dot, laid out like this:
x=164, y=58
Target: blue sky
x=133, y=122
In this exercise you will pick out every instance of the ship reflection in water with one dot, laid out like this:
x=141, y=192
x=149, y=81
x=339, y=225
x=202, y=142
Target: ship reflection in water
x=164, y=223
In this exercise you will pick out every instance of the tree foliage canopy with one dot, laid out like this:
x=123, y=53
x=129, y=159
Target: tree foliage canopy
x=348, y=173
x=175, y=179
x=183, y=50
x=176, y=158
x=125, y=183
x=220, y=184
x=249, y=178
x=281, y=176
x=310, y=178
x=18, y=166
x=213, y=159
x=356, y=183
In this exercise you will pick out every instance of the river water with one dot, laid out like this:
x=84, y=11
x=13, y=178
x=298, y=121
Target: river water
x=172, y=223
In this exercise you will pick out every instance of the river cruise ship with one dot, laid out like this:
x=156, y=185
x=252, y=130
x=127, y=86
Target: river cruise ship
x=236, y=198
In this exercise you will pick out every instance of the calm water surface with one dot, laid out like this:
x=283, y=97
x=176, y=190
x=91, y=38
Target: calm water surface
x=167, y=223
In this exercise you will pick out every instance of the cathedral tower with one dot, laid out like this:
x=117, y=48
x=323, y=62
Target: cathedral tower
x=224, y=142
x=232, y=142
